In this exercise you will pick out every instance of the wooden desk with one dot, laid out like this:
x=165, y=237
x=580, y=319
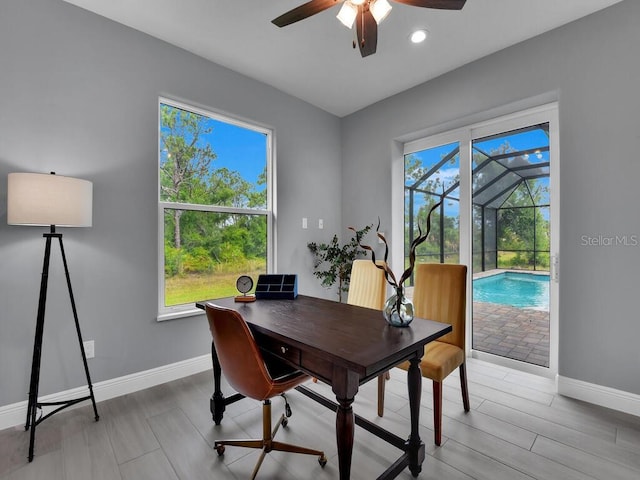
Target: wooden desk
x=344, y=346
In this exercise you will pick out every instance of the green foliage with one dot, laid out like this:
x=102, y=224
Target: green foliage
x=332, y=261
x=172, y=260
x=197, y=260
x=523, y=229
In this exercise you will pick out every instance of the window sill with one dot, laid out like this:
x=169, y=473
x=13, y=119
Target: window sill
x=190, y=312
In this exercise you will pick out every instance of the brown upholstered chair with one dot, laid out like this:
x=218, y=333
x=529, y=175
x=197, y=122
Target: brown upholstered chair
x=244, y=368
x=440, y=294
x=368, y=288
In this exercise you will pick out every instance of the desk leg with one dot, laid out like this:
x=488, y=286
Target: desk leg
x=415, y=446
x=345, y=386
x=217, y=403
x=344, y=433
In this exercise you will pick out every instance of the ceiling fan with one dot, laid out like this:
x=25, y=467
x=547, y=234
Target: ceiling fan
x=366, y=14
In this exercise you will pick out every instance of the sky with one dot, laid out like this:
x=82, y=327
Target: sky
x=237, y=148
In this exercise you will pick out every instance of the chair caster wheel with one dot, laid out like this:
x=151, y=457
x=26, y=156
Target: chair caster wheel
x=284, y=422
x=220, y=450
x=322, y=460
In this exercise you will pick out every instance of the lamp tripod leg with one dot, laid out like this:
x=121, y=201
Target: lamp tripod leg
x=79, y=333
x=37, y=352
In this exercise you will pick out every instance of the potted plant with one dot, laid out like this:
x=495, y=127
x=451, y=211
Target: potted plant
x=332, y=261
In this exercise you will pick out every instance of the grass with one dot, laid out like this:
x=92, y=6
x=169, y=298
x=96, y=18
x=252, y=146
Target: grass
x=191, y=288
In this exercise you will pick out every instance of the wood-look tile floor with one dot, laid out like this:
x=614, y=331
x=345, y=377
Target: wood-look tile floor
x=518, y=428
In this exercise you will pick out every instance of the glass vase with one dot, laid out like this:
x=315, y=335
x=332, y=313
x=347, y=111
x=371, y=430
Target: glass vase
x=398, y=309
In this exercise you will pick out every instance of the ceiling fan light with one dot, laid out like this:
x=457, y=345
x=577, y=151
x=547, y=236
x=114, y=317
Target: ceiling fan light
x=379, y=9
x=347, y=14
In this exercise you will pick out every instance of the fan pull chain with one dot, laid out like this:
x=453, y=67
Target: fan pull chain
x=362, y=20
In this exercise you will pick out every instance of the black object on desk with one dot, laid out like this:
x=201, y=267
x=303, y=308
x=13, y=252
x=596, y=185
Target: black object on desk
x=277, y=287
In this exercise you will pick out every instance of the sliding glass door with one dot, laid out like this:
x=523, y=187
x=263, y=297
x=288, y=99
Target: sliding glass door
x=497, y=183
x=511, y=244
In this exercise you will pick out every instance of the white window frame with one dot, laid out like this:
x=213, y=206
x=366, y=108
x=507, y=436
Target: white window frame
x=187, y=310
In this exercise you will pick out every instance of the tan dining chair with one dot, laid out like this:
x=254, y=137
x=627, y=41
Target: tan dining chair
x=368, y=288
x=440, y=294
x=246, y=371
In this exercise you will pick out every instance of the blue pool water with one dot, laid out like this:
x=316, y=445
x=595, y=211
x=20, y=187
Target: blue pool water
x=522, y=290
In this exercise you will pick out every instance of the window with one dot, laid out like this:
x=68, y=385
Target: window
x=215, y=205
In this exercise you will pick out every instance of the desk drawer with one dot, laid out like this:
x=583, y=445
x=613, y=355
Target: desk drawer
x=280, y=349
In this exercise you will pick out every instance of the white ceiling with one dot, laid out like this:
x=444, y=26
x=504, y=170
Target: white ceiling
x=314, y=59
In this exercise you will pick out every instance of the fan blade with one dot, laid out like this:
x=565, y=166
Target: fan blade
x=441, y=4
x=367, y=31
x=303, y=11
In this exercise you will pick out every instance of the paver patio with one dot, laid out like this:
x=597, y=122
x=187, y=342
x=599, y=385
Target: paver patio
x=517, y=333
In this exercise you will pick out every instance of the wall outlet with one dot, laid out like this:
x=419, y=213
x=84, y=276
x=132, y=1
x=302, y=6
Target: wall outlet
x=320, y=224
x=89, y=348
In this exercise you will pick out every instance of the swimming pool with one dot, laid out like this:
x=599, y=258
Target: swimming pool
x=522, y=290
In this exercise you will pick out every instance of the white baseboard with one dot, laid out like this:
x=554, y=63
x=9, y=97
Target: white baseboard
x=16, y=413
x=597, y=394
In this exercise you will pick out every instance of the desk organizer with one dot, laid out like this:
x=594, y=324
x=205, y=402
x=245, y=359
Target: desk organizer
x=277, y=286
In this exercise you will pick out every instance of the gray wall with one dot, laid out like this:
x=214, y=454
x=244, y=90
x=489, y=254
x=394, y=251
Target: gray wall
x=78, y=95
x=592, y=68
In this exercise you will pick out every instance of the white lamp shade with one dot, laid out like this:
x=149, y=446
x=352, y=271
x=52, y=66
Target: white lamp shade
x=380, y=9
x=347, y=14
x=47, y=199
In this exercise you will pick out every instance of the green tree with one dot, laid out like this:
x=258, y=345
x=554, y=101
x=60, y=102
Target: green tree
x=523, y=227
x=186, y=161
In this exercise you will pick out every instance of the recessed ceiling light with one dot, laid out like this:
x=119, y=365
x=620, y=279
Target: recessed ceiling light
x=418, y=36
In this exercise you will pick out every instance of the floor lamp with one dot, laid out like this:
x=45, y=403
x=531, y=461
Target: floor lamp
x=37, y=199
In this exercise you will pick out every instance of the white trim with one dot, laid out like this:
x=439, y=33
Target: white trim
x=16, y=413
x=438, y=140
x=397, y=205
x=599, y=395
x=212, y=208
x=513, y=120
x=179, y=311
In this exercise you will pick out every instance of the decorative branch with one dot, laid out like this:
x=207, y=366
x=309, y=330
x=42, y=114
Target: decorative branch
x=388, y=273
